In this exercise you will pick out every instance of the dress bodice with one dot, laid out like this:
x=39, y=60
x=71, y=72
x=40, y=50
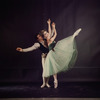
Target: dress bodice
x=51, y=46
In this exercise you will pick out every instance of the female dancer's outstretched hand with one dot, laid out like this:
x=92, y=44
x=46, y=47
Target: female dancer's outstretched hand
x=53, y=25
x=49, y=21
x=19, y=49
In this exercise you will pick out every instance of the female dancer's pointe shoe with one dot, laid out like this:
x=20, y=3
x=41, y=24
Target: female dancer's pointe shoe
x=48, y=85
x=77, y=32
x=43, y=85
x=55, y=84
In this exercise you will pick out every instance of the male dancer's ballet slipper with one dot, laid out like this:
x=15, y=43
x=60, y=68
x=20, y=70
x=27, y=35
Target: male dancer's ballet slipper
x=43, y=85
x=48, y=85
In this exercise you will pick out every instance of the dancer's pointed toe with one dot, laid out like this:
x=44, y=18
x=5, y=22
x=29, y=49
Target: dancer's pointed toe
x=48, y=85
x=77, y=32
x=43, y=85
x=55, y=84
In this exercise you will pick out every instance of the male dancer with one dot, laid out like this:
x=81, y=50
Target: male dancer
x=39, y=45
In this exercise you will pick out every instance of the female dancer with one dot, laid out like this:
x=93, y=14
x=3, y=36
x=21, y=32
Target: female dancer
x=61, y=56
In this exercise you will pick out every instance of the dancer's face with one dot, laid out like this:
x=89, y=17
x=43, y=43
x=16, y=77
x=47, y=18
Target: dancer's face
x=39, y=37
x=46, y=34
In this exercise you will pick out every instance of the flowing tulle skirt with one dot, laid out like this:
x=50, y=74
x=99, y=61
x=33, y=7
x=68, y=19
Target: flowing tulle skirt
x=62, y=58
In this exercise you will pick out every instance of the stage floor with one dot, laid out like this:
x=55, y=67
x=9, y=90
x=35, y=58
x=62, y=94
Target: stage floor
x=65, y=90
x=50, y=99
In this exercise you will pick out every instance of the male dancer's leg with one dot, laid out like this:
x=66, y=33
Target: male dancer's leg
x=45, y=80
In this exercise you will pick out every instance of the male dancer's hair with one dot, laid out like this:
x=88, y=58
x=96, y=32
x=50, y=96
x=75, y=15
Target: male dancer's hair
x=40, y=33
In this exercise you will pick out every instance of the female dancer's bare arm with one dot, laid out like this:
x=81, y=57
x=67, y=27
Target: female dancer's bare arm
x=49, y=27
x=55, y=33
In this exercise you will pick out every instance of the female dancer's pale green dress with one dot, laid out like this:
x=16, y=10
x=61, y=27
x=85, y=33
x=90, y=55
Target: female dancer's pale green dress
x=61, y=56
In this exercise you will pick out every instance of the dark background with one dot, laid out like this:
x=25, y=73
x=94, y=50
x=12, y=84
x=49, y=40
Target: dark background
x=20, y=20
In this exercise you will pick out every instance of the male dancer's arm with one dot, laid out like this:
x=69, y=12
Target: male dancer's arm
x=34, y=47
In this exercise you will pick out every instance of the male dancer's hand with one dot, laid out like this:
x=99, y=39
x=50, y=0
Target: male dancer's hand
x=19, y=49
